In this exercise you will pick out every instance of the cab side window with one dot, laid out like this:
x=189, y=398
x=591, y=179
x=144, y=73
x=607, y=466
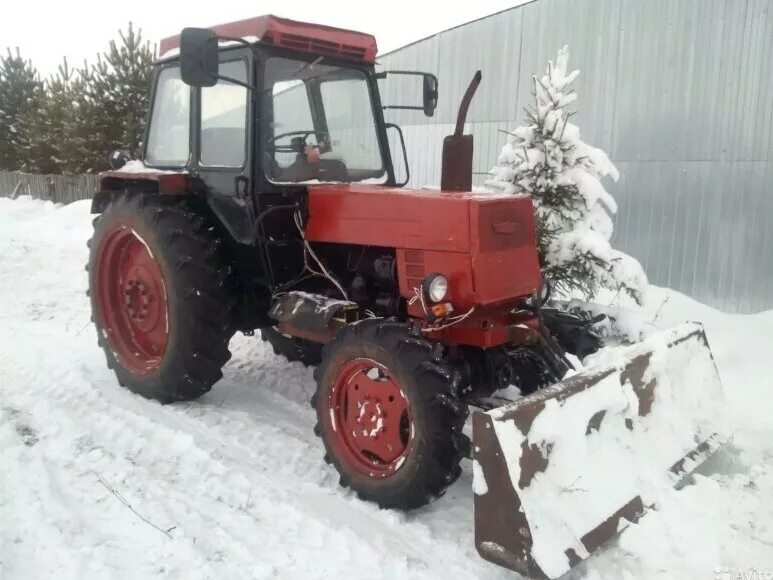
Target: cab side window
x=169, y=134
x=223, y=139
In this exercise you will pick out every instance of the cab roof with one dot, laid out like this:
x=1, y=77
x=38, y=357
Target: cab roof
x=314, y=39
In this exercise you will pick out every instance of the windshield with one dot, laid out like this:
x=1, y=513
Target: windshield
x=319, y=124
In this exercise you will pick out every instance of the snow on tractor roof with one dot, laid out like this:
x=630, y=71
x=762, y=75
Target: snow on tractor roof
x=303, y=36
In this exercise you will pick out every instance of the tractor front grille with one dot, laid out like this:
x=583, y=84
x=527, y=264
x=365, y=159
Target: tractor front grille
x=414, y=268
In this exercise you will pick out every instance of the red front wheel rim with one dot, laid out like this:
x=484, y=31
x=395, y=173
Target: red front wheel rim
x=370, y=418
x=131, y=300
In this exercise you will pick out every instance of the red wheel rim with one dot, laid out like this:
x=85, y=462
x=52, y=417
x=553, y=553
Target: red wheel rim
x=370, y=418
x=131, y=300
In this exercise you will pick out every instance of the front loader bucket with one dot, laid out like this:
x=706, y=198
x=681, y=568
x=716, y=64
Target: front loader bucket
x=561, y=471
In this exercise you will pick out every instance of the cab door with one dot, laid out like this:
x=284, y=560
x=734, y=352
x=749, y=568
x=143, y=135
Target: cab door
x=223, y=151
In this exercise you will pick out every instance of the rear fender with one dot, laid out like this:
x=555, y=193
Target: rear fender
x=150, y=181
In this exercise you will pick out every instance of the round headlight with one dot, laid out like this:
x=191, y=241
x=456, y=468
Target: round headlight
x=436, y=287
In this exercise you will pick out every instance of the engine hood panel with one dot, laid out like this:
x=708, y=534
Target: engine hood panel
x=389, y=217
x=484, y=243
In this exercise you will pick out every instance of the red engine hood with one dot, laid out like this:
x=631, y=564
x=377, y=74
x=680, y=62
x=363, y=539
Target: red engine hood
x=389, y=217
x=485, y=243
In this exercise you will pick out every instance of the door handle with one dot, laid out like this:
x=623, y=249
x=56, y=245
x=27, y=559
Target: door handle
x=241, y=185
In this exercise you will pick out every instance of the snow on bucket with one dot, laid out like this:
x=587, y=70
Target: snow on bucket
x=561, y=471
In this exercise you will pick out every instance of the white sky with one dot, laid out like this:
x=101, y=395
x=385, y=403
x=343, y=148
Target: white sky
x=47, y=30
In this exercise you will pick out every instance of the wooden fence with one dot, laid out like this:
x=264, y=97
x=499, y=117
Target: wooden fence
x=57, y=188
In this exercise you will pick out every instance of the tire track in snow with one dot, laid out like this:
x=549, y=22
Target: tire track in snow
x=401, y=547
x=76, y=445
x=262, y=427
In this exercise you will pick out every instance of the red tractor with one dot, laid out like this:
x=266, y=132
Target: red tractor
x=267, y=200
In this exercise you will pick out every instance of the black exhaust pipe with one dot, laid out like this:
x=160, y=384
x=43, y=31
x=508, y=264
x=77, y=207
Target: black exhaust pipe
x=456, y=171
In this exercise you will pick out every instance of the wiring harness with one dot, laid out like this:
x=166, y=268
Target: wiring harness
x=309, y=252
x=441, y=323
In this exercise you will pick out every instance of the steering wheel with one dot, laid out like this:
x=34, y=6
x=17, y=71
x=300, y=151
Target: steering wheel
x=294, y=147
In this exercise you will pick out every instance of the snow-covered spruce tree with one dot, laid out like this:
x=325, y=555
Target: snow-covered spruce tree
x=548, y=160
x=19, y=86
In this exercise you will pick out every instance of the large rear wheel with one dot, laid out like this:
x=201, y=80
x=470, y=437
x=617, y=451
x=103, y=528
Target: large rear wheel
x=159, y=298
x=389, y=414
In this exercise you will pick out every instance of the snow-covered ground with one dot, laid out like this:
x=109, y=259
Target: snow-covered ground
x=233, y=485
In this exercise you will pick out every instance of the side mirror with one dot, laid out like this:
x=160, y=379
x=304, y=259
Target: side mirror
x=199, y=63
x=430, y=94
x=430, y=91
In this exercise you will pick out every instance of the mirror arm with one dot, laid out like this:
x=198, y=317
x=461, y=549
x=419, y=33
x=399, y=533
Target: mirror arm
x=241, y=41
x=383, y=74
x=233, y=39
x=404, y=107
x=248, y=86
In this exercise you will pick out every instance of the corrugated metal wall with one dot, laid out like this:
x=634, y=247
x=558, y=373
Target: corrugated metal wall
x=678, y=92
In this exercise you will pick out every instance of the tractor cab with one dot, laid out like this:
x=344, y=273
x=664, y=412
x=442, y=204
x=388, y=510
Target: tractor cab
x=267, y=106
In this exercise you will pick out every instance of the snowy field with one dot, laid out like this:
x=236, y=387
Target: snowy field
x=233, y=485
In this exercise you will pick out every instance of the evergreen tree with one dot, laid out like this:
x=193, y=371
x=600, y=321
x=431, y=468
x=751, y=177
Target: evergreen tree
x=52, y=125
x=19, y=87
x=116, y=98
x=549, y=161
x=71, y=122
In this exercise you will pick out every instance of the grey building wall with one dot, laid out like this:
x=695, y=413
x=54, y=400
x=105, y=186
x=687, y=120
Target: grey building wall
x=678, y=92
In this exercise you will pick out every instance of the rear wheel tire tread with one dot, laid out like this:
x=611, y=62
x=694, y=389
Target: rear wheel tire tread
x=204, y=306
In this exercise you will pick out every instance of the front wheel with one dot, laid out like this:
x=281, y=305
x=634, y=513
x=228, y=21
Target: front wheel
x=389, y=414
x=159, y=299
